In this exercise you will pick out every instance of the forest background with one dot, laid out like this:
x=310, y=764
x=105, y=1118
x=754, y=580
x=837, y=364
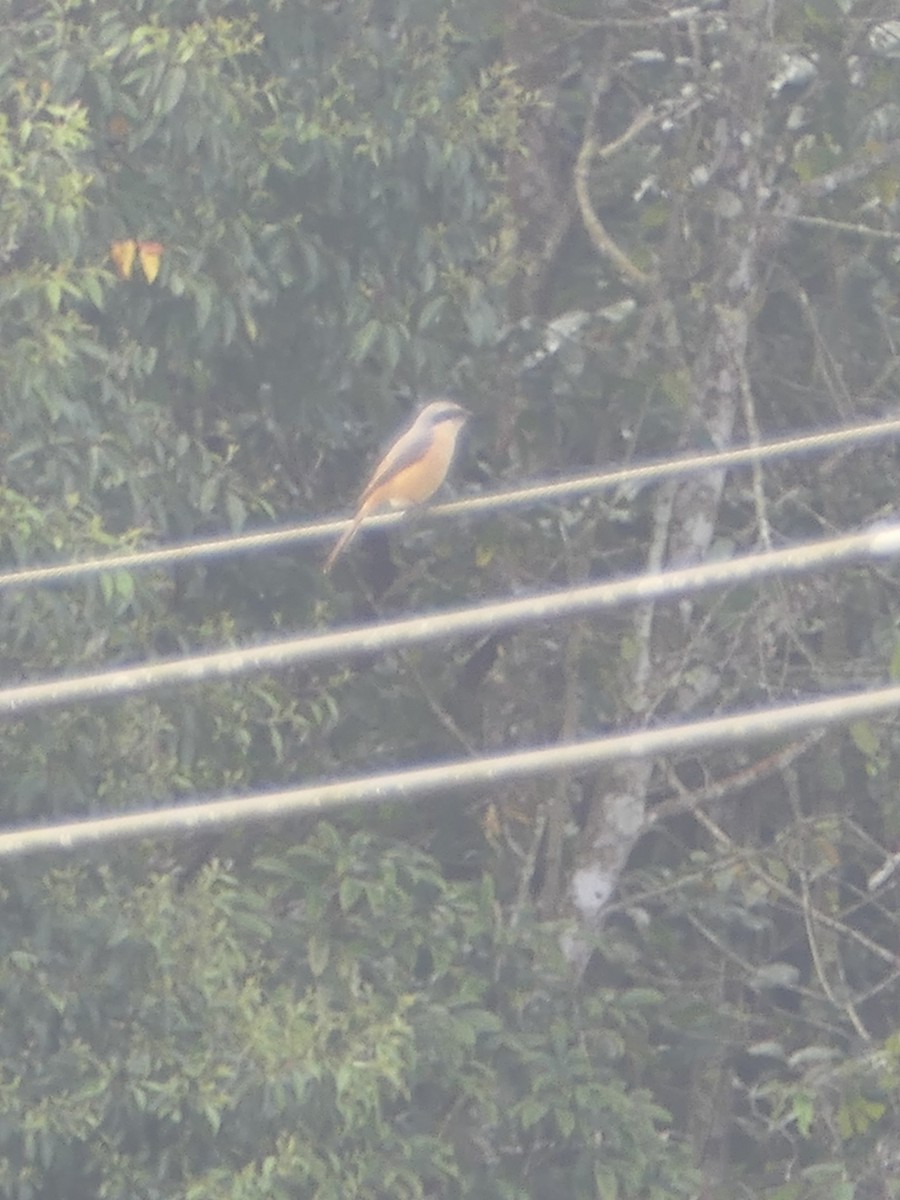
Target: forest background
x=236, y=240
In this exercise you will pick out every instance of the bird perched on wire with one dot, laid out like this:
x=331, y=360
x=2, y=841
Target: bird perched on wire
x=413, y=468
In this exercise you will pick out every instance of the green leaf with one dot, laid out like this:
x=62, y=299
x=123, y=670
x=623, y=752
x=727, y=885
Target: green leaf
x=53, y=292
x=124, y=582
x=431, y=312
x=865, y=738
x=92, y=289
x=803, y=1112
x=171, y=91
x=393, y=339
x=606, y=1183
x=349, y=891
x=237, y=511
x=364, y=341
x=209, y=493
x=203, y=303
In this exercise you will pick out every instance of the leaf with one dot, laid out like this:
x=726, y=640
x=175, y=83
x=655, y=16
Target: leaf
x=530, y=1112
x=237, y=511
x=203, y=302
x=365, y=340
x=775, y=974
x=858, y=1115
x=93, y=290
x=812, y=1056
x=770, y=1049
x=393, y=339
x=124, y=585
x=228, y=318
x=349, y=892
x=209, y=493
x=895, y=662
x=606, y=1184
x=865, y=738
x=565, y=1121
x=431, y=313
x=803, y=1112
x=53, y=289
x=171, y=91
x=213, y=1116
x=318, y=952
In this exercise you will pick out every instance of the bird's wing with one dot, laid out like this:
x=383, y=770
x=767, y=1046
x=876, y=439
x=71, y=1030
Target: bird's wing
x=408, y=449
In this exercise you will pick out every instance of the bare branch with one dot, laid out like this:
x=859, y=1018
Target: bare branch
x=603, y=243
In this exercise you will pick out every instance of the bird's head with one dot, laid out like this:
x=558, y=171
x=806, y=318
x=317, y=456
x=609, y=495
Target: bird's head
x=436, y=412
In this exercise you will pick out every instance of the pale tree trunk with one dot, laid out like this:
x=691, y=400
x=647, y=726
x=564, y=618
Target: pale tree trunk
x=736, y=203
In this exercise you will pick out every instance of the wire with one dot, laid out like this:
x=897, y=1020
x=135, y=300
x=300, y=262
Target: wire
x=218, y=547
x=537, y=493
x=423, y=781
x=881, y=540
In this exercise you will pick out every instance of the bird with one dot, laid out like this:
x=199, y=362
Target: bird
x=413, y=468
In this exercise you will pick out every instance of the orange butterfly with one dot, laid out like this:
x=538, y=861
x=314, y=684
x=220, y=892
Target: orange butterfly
x=148, y=255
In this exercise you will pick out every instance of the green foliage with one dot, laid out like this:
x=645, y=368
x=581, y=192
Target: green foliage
x=350, y=1025
x=354, y=201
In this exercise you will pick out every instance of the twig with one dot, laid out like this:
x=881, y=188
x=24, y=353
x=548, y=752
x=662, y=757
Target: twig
x=875, y=158
x=886, y=235
x=596, y=230
x=739, y=781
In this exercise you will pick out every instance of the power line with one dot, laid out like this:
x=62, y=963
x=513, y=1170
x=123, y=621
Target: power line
x=538, y=493
x=167, y=556
x=423, y=781
x=883, y=540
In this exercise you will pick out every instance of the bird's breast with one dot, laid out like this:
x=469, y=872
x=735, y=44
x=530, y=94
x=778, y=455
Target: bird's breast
x=420, y=479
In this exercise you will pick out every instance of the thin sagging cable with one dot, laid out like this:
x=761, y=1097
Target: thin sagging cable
x=418, y=783
x=883, y=540
x=538, y=493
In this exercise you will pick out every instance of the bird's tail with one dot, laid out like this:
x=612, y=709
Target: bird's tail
x=343, y=541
